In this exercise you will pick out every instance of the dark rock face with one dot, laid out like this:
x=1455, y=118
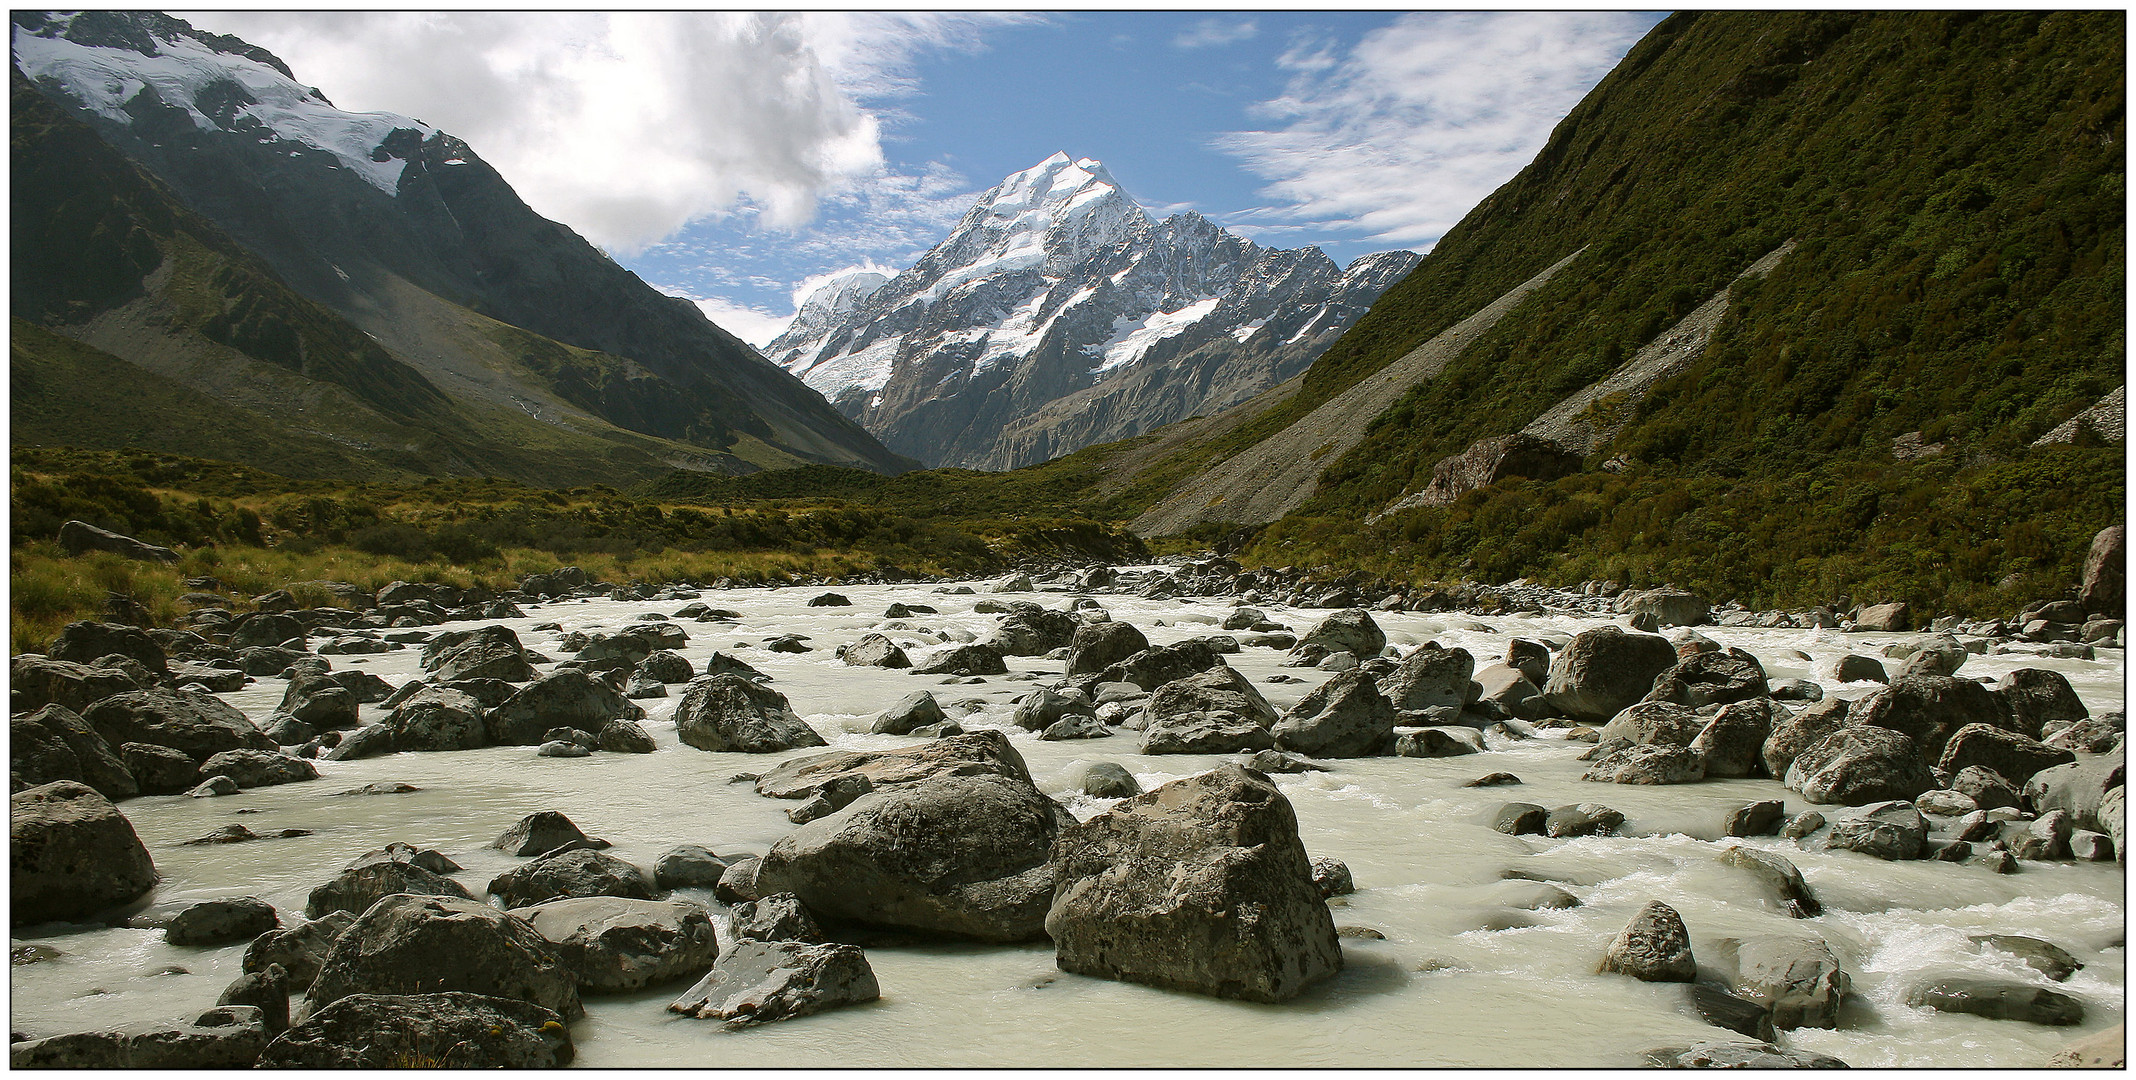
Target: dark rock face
x=966, y=660
x=1653, y=947
x=780, y=917
x=1097, y=646
x=1215, y=712
x=453, y=1030
x=1731, y=744
x=1928, y=708
x=875, y=650
x=979, y=753
x=40, y=680
x=566, y=697
x=228, y=1037
x=220, y=922
x=2038, y=698
x=258, y=768
x=1604, y=670
x=1792, y=734
x=54, y=743
x=759, y=982
x=731, y=714
x=1350, y=630
x=86, y=642
x=1200, y=885
x=615, y=945
x=436, y=718
x=442, y=943
x=962, y=855
x=1998, y=1001
x=1779, y=877
x=195, y=724
x=540, y=833
x=1711, y=678
x=297, y=950
x=71, y=854
x=1430, y=677
x=1797, y=978
x=374, y=876
x=911, y=711
x=1343, y=717
x=578, y=872
x=2008, y=753
x=1857, y=765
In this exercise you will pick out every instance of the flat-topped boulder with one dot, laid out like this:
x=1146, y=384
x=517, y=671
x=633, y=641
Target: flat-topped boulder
x=195, y=724
x=985, y=752
x=731, y=714
x=615, y=945
x=430, y=944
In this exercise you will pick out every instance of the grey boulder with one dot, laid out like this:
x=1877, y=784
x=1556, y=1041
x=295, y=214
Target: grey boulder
x=731, y=714
x=759, y=982
x=71, y=854
x=451, y=1030
x=615, y=945
x=429, y=944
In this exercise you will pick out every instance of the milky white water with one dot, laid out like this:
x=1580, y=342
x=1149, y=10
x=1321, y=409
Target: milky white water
x=1448, y=986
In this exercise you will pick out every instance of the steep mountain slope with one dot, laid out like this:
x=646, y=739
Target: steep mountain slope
x=404, y=232
x=1058, y=314
x=1831, y=277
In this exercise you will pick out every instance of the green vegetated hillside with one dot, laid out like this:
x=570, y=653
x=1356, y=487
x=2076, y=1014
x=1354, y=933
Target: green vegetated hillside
x=140, y=323
x=1954, y=183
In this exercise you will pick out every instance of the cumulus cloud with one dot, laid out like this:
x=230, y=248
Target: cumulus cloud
x=752, y=324
x=629, y=125
x=1210, y=33
x=1400, y=135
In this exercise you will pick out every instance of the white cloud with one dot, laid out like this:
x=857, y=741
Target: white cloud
x=628, y=125
x=752, y=324
x=1401, y=135
x=1215, y=33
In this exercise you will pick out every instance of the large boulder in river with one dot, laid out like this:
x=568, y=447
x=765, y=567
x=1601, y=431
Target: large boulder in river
x=1654, y=723
x=964, y=856
x=379, y=874
x=2083, y=789
x=220, y=1038
x=1345, y=716
x=875, y=650
x=1604, y=671
x=2037, y=697
x=431, y=944
x=566, y=697
x=759, y=982
x=1795, y=977
x=1792, y=733
x=492, y=652
x=1650, y=763
x=964, y=660
x=1856, y=765
x=578, y=872
x=70, y=854
x=1928, y=708
x=1154, y=667
x=297, y=950
x=1711, y=678
x=258, y=768
x=319, y=701
x=452, y=1030
x=1731, y=745
x=87, y=642
x=1215, y=712
x=917, y=709
x=1669, y=607
x=1431, y=677
x=1350, y=630
x=195, y=724
x=437, y=718
x=2013, y=755
x=1200, y=885
x=731, y=714
x=980, y=753
x=1653, y=947
x=615, y=945
x=1030, y=630
x=54, y=743
x=1097, y=646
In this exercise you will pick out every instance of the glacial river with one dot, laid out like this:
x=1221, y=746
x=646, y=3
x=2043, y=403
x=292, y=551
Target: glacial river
x=1461, y=979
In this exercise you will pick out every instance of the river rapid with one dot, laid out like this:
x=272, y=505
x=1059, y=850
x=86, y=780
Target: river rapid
x=1461, y=978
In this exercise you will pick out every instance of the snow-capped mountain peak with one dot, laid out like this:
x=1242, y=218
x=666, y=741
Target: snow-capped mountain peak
x=124, y=66
x=1053, y=284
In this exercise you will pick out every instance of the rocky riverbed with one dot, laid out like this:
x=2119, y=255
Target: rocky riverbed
x=991, y=898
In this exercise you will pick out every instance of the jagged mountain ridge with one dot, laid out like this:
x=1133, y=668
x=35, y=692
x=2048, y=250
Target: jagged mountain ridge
x=406, y=232
x=1058, y=314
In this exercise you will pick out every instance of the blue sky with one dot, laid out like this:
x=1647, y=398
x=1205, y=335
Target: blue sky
x=734, y=157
